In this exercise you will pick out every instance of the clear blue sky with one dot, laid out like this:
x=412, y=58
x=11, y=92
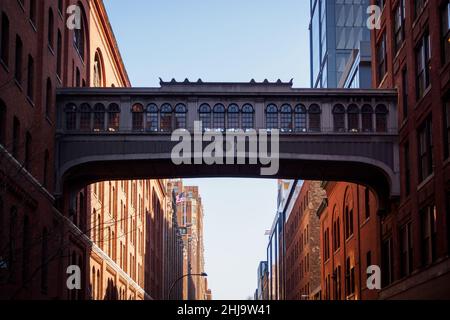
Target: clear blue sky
x=220, y=40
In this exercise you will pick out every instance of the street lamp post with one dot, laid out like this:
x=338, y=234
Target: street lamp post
x=203, y=274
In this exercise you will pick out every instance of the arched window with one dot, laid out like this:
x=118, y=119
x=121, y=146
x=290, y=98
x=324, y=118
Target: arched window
x=180, y=116
x=26, y=243
x=51, y=31
x=138, y=117
x=272, y=116
x=93, y=287
x=48, y=98
x=248, y=117
x=339, y=118
x=85, y=117
x=286, y=118
x=205, y=116
x=300, y=118
x=381, y=118
x=4, y=45
x=71, y=116
x=233, y=117
x=152, y=118
x=367, y=118
x=353, y=118
x=99, y=117
x=98, y=70
x=219, y=117
x=166, y=117
x=79, y=37
x=113, y=117
x=314, y=118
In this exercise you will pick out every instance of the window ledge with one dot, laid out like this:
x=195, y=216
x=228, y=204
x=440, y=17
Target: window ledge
x=423, y=97
x=424, y=182
x=33, y=25
x=30, y=101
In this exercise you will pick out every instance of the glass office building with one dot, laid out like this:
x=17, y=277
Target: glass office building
x=337, y=29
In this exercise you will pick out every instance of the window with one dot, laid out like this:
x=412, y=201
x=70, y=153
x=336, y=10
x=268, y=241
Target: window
x=59, y=54
x=98, y=70
x=44, y=261
x=51, y=27
x=348, y=222
x=423, y=65
x=406, y=250
x=45, y=173
x=314, y=118
x=180, y=116
x=399, y=25
x=85, y=117
x=79, y=38
x=428, y=217
x=381, y=113
x=233, y=117
x=219, y=117
x=16, y=138
x=152, y=118
x=60, y=6
x=447, y=129
x=2, y=122
x=138, y=117
x=272, y=117
x=326, y=246
x=286, y=118
x=405, y=93
x=381, y=53
x=445, y=33
x=387, y=270
x=33, y=12
x=300, y=118
x=349, y=277
x=48, y=98
x=205, y=116
x=353, y=118
x=338, y=283
x=248, y=116
x=418, y=7
x=71, y=116
x=367, y=118
x=339, y=118
x=367, y=203
x=28, y=151
x=30, y=81
x=407, y=166
x=425, y=148
x=99, y=117
x=113, y=117
x=18, y=63
x=26, y=250
x=4, y=41
x=166, y=118
x=336, y=233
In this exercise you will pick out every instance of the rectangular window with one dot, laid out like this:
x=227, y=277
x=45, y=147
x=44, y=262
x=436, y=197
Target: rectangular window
x=30, y=79
x=407, y=167
x=381, y=58
x=16, y=138
x=428, y=234
x=387, y=262
x=405, y=93
x=447, y=129
x=445, y=33
x=18, y=64
x=4, y=41
x=399, y=25
x=425, y=148
x=406, y=250
x=423, y=65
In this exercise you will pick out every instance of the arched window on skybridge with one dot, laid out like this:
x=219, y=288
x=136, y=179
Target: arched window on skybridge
x=85, y=117
x=219, y=117
x=339, y=118
x=137, y=117
x=233, y=117
x=205, y=116
x=353, y=118
x=381, y=113
x=248, y=117
x=271, y=117
x=300, y=118
x=113, y=117
x=314, y=114
x=71, y=116
x=152, y=118
x=286, y=118
x=180, y=116
x=367, y=118
x=99, y=117
x=166, y=115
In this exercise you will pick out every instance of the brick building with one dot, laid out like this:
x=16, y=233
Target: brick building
x=412, y=53
x=303, y=261
x=349, y=241
x=119, y=233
